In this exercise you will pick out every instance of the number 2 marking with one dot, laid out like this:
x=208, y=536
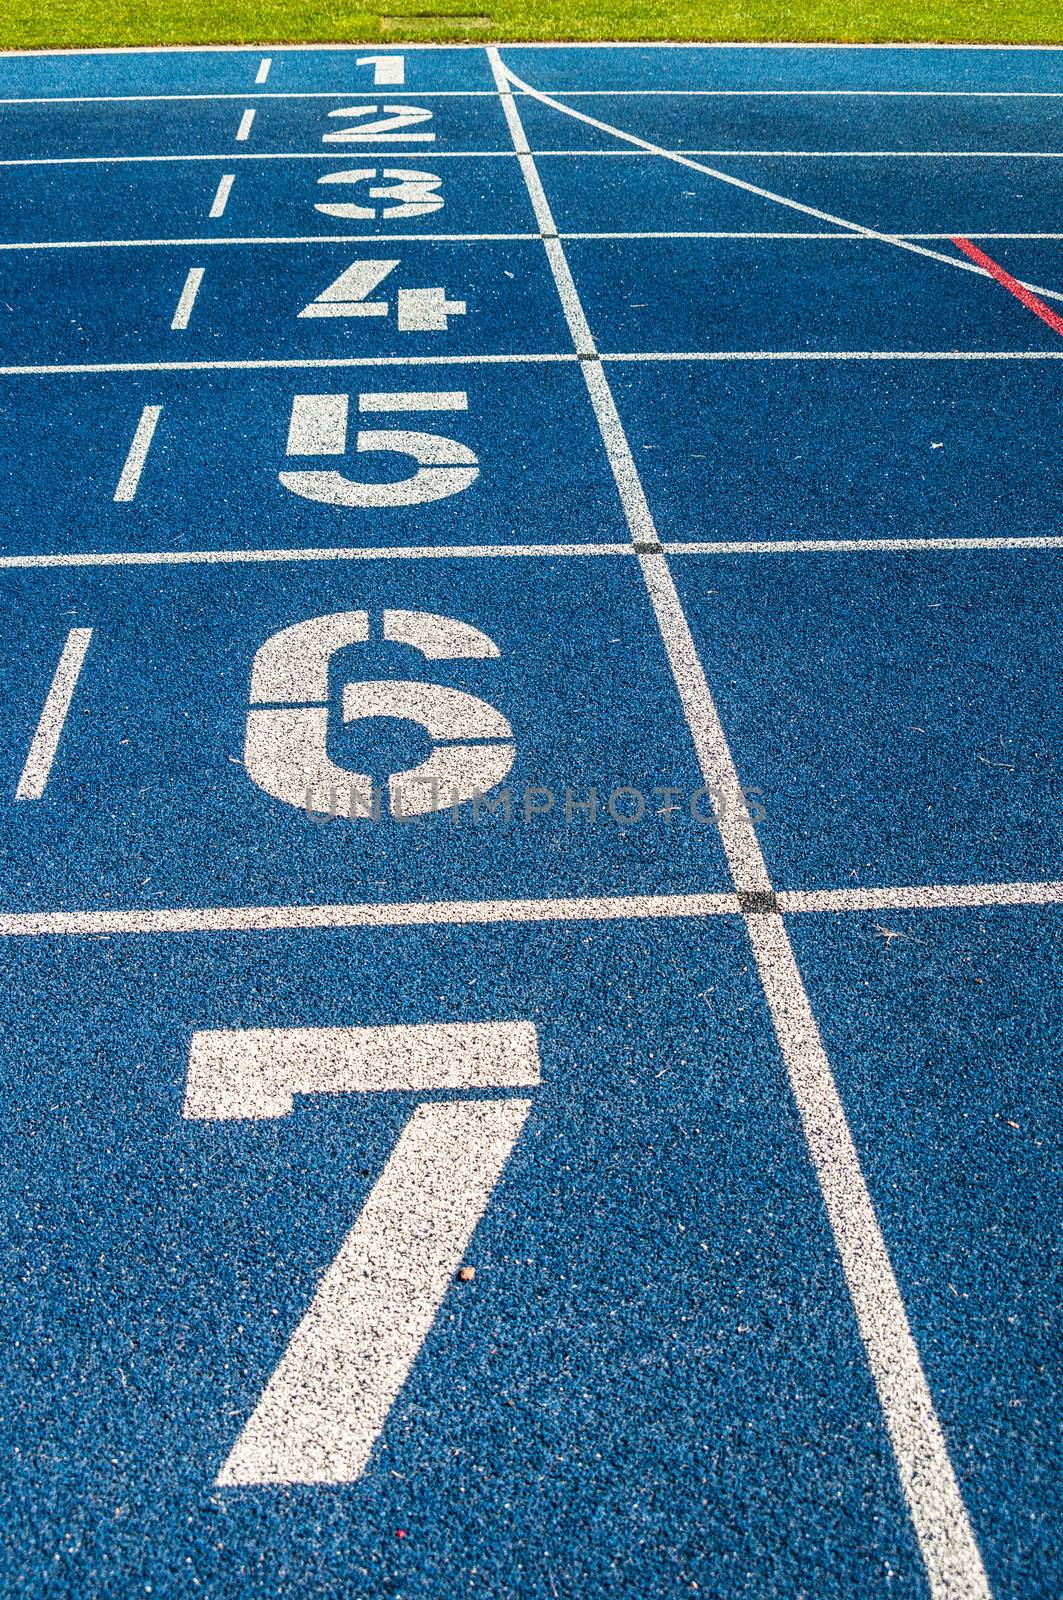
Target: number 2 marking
x=326, y=1402
x=381, y=129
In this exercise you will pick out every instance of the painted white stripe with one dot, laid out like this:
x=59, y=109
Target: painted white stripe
x=834, y=355
x=296, y=238
x=188, y=298
x=68, y=54
x=415, y=914
x=263, y=69
x=45, y=741
x=518, y=358
x=728, y=178
x=145, y=922
x=138, y=453
x=181, y=558
x=284, y=363
x=245, y=124
x=224, y=189
x=241, y=155
x=346, y=95
x=493, y=552
x=257, y=1072
x=326, y=1403
x=787, y=236
x=570, y=93
x=789, y=547
x=818, y=94
x=939, y=1517
x=922, y=897
x=813, y=155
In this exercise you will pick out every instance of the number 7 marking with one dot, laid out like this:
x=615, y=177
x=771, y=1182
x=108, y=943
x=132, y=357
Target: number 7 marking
x=328, y=1399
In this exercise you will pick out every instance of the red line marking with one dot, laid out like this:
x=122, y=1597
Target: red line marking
x=1013, y=286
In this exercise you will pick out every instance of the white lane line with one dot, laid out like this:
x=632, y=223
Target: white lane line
x=181, y=558
x=900, y=242
x=45, y=741
x=347, y=95
x=286, y=363
x=813, y=155
x=188, y=298
x=61, y=51
x=832, y=355
x=241, y=155
x=144, y=921
x=414, y=914
x=787, y=235
x=519, y=358
x=138, y=453
x=263, y=69
x=328, y=1399
x=224, y=189
x=787, y=94
x=472, y=238
x=492, y=552
x=245, y=124
x=790, y=547
x=946, y=1539
x=293, y=238
x=922, y=897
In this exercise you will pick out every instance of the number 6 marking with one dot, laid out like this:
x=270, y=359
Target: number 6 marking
x=328, y=1399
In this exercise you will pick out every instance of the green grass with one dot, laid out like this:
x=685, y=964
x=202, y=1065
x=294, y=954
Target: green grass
x=26, y=24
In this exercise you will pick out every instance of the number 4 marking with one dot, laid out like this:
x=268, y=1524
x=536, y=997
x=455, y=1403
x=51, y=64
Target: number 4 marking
x=328, y=1399
x=418, y=310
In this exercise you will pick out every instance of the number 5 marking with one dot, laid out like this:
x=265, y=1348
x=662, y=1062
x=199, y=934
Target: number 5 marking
x=328, y=1399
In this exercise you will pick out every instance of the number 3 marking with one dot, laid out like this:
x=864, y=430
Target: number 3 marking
x=328, y=1399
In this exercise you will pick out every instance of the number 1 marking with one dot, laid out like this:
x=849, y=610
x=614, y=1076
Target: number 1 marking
x=386, y=69
x=327, y=1401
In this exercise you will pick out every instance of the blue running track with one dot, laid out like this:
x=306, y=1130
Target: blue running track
x=530, y=942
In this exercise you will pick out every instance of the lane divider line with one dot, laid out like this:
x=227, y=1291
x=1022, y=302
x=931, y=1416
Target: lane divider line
x=149, y=922
x=939, y=1517
x=491, y=552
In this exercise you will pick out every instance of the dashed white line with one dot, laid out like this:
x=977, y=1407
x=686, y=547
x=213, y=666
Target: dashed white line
x=45, y=741
x=138, y=453
x=187, y=299
x=946, y=1539
x=263, y=69
x=245, y=124
x=223, y=191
